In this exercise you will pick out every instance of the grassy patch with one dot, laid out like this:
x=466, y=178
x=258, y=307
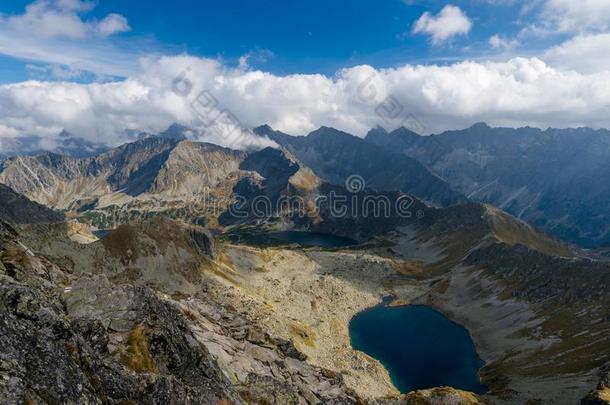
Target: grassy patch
x=410, y=268
x=304, y=333
x=137, y=354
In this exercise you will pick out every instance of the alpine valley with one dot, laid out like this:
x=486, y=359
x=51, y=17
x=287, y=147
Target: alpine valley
x=168, y=270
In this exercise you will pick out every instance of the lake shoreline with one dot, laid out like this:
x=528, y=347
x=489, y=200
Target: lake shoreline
x=422, y=337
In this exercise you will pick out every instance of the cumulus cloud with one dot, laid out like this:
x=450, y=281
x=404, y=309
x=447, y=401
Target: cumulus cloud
x=221, y=103
x=448, y=23
x=583, y=53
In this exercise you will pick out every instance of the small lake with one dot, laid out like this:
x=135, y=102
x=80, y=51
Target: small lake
x=312, y=239
x=101, y=233
x=420, y=347
x=301, y=238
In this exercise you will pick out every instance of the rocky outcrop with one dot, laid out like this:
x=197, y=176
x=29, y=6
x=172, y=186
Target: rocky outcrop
x=82, y=338
x=443, y=396
x=262, y=368
x=75, y=341
x=601, y=395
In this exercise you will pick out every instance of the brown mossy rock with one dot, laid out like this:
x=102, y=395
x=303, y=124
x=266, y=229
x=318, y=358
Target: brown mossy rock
x=443, y=396
x=137, y=354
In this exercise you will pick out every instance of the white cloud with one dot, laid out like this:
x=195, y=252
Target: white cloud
x=583, y=53
x=8, y=132
x=499, y=42
x=53, y=71
x=448, y=23
x=61, y=19
x=112, y=24
x=74, y=5
x=258, y=55
x=577, y=16
x=41, y=19
x=54, y=32
x=206, y=95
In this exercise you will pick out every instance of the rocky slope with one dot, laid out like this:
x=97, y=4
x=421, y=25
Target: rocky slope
x=16, y=208
x=272, y=324
x=535, y=307
x=114, y=322
x=152, y=175
x=155, y=307
x=112, y=335
x=553, y=178
x=128, y=319
x=60, y=348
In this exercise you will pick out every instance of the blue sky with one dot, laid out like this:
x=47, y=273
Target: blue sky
x=97, y=68
x=290, y=36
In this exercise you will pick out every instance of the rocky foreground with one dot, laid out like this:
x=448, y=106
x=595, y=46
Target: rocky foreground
x=81, y=338
x=160, y=311
x=109, y=335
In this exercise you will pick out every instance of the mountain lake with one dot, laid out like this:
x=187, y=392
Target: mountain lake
x=419, y=346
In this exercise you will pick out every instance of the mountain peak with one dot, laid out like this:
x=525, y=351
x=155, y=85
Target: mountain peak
x=405, y=132
x=480, y=125
x=176, y=131
x=70, y=145
x=65, y=134
x=375, y=132
x=329, y=131
x=394, y=141
x=264, y=129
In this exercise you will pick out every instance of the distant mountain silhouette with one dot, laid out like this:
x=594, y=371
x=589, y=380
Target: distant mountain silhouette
x=556, y=179
x=335, y=156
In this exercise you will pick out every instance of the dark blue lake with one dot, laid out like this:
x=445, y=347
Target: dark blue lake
x=101, y=233
x=420, y=347
x=312, y=239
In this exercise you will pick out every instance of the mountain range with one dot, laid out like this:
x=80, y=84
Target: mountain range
x=178, y=300
x=554, y=179
x=335, y=156
x=551, y=178
x=192, y=181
